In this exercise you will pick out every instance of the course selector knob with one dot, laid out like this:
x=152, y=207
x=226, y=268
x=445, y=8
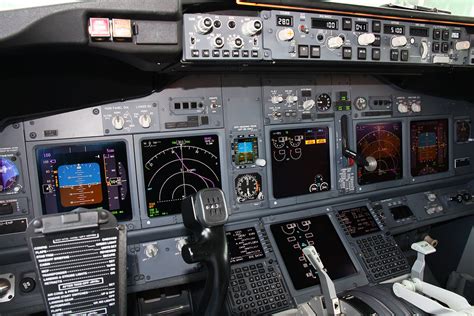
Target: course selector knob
x=335, y=42
x=204, y=25
x=118, y=122
x=399, y=41
x=366, y=39
x=286, y=34
x=252, y=27
x=144, y=120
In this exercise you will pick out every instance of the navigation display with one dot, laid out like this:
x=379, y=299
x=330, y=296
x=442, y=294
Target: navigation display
x=429, y=147
x=291, y=237
x=300, y=161
x=244, y=245
x=90, y=175
x=358, y=221
x=382, y=141
x=176, y=167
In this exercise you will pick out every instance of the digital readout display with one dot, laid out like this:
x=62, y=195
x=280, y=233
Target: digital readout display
x=361, y=27
x=394, y=29
x=284, y=20
x=327, y=24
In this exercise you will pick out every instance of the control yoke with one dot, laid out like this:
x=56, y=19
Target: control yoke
x=369, y=163
x=205, y=214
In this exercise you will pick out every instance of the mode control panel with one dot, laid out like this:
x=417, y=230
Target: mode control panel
x=304, y=36
x=222, y=37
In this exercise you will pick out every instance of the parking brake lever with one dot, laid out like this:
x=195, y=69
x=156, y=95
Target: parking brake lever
x=205, y=214
x=369, y=162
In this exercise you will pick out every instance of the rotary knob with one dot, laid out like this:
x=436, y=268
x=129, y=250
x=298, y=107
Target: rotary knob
x=118, y=122
x=277, y=99
x=424, y=50
x=180, y=243
x=402, y=107
x=308, y=104
x=252, y=27
x=366, y=39
x=291, y=98
x=218, y=42
x=204, y=25
x=463, y=45
x=260, y=162
x=416, y=107
x=151, y=250
x=335, y=42
x=145, y=120
x=237, y=43
x=286, y=34
x=399, y=41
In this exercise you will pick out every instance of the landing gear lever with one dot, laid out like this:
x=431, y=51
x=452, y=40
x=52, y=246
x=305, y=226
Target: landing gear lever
x=369, y=163
x=205, y=214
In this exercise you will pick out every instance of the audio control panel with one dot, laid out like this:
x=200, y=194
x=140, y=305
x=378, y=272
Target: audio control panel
x=298, y=36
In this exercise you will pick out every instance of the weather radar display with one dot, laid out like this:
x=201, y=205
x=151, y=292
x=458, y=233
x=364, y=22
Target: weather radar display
x=177, y=167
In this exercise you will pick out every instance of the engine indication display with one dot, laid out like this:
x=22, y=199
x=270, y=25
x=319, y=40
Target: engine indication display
x=9, y=176
x=291, y=237
x=90, y=175
x=248, y=187
x=300, y=161
x=429, y=147
x=382, y=141
x=177, y=167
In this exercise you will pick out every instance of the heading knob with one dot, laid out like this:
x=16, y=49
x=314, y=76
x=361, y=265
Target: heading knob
x=399, y=41
x=287, y=34
x=252, y=27
x=335, y=42
x=366, y=39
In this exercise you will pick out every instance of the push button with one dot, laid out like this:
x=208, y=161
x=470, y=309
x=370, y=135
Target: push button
x=315, y=52
x=436, y=34
x=436, y=47
x=303, y=51
x=445, y=35
x=347, y=24
x=404, y=55
x=361, y=53
x=347, y=52
x=376, y=26
x=394, y=54
x=444, y=47
x=27, y=285
x=377, y=41
x=375, y=53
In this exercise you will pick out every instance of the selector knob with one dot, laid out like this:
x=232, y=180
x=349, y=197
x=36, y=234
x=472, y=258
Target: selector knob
x=308, y=104
x=218, y=42
x=402, y=108
x=431, y=197
x=463, y=45
x=366, y=39
x=151, y=251
x=144, y=120
x=416, y=108
x=180, y=243
x=204, y=25
x=277, y=99
x=399, y=41
x=261, y=162
x=237, y=43
x=335, y=42
x=286, y=34
x=118, y=122
x=5, y=286
x=291, y=98
x=424, y=50
x=252, y=27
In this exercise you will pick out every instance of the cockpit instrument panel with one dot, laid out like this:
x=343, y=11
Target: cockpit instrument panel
x=90, y=175
x=292, y=236
x=176, y=167
x=300, y=157
x=382, y=141
x=429, y=147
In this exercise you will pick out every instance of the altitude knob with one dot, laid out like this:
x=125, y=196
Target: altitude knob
x=335, y=42
x=5, y=286
x=145, y=120
x=252, y=27
x=399, y=41
x=118, y=122
x=366, y=39
x=204, y=25
x=424, y=50
x=463, y=45
x=286, y=34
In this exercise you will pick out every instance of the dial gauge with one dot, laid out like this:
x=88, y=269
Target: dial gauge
x=9, y=175
x=248, y=187
x=323, y=102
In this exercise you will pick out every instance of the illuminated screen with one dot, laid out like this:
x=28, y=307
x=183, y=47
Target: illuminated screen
x=90, y=175
x=382, y=141
x=300, y=161
x=358, y=221
x=244, y=245
x=177, y=167
x=429, y=147
x=245, y=150
x=291, y=237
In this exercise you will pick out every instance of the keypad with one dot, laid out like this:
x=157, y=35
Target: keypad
x=382, y=257
x=257, y=288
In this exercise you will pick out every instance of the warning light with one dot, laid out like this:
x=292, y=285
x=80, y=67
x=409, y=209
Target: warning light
x=121, y=29
x=99, y=27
